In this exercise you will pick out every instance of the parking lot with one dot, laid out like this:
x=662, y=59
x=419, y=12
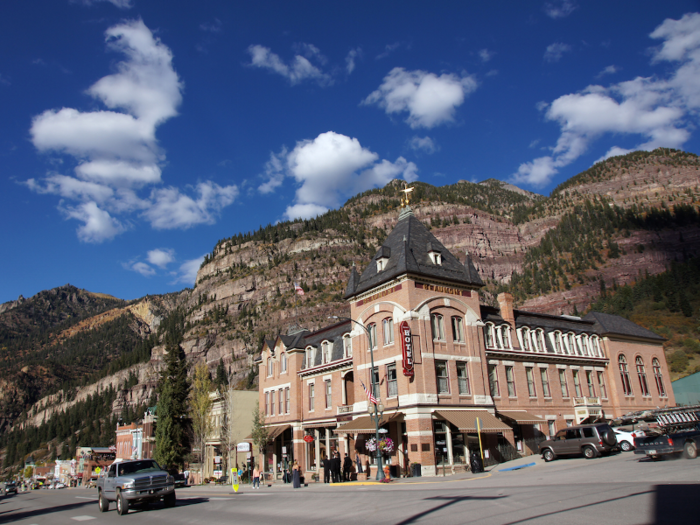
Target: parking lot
x=614, y=489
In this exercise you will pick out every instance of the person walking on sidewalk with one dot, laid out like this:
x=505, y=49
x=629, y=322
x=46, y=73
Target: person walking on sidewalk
x=326, y=469
x=256, y=478
x=296, y=475
x=347, y=468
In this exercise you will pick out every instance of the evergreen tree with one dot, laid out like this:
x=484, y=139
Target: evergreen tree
x=172, y=442
x=221, y=380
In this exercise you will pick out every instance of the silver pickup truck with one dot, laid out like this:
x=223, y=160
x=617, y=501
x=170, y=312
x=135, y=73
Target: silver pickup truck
x=136, y=481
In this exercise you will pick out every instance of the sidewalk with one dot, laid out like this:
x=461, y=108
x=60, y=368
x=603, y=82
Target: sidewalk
x=499, y=469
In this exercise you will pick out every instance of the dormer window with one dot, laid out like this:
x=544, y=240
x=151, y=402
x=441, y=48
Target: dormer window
x=310, y=356
x=347, y=345
x=326, y=352
x=434, y=254
x=382, y=258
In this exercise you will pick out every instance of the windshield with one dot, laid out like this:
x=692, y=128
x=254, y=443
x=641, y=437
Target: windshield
x=137, y=467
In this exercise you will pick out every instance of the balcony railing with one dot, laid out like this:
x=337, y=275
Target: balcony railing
x=586, y=401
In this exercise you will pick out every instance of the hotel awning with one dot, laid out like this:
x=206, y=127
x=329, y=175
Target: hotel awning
x=365, y=424
x=320, y=424
x=274, y=432
x=465, y=420
x=521, y=417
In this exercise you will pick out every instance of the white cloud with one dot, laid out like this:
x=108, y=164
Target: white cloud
x=98, y=225
x=329, y=168
x=424, y=144
x=160, y=257
x=555, y=51
x=142, y=268
x=430, y=100
x=389, y=49
x=615, y=151
x=353, y=54
x=299, y=70
x=121, y=4
x=559, y=8
x=116, y=150
x=172, y=209
x=656, y=109
x=212, y=27
x=187, y=273
x=610, y=70
x=485, y=55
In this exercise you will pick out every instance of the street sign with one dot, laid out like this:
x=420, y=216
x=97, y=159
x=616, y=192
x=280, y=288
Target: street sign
x=309, y=438
x=243, y=447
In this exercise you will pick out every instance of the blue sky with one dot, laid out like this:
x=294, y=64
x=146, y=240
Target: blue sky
x=137, y=133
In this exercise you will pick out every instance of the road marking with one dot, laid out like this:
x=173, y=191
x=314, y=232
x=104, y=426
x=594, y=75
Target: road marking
x=83, y=518
x=359, y=483
x=85, y=497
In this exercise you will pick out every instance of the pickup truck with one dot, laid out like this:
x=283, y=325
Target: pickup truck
x=135, y=481
x=678, y=432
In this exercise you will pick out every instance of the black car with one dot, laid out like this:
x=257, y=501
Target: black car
x=10, y=487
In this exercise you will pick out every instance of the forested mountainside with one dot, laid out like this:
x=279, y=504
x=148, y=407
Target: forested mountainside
x=613, y=225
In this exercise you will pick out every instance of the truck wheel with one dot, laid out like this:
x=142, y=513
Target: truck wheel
x=170, y=500
x=122, y=504
x=548, y=455
x=625, y=446
x=102, y=502
x=690, y=451
x=589, y=452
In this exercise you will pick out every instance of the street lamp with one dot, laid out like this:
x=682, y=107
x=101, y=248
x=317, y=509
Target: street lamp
x=378, y=407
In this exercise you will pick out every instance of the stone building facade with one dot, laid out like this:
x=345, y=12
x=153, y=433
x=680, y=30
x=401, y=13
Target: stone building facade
x=443, y=364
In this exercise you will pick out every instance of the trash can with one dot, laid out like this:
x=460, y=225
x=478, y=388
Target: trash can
x=416, y=470
x=477, y=464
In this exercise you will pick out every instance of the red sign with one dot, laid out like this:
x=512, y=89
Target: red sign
x=406, y=349
x=309, y=439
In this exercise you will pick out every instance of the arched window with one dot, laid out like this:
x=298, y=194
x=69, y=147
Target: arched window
x=373, y=334
x=624, y=375
x=310, y=356
x=558, y=347
x=504, y=336
x=594, y=343
x=269, y=366
x=490, y=335
x=326, y=352
x=457, y=330
x=658, y=377
x=388, y=330
x=524, y=336
x=283, y=362
x=538, y=340
x=641, y=372
x=347, y=345
x=584, y=345
x=573, y=349
x=438, y=326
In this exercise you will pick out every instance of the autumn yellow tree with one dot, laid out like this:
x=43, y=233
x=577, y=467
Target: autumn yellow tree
x=200, y=407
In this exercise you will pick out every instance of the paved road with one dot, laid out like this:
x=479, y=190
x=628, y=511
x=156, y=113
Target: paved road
x=611, y=490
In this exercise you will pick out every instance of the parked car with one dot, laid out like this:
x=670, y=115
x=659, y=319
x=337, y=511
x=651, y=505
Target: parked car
x=588, y=440
x=132, y=482
x=677, y=432
x=625, y=438
x=180, y=480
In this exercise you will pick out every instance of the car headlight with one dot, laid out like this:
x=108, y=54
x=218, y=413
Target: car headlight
x=171, y=480
x=129, y=485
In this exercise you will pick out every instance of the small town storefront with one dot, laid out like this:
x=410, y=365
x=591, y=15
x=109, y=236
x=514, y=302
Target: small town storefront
x=526, y=430
x=360, y=434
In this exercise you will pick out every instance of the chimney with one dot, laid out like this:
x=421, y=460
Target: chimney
x=505, y=304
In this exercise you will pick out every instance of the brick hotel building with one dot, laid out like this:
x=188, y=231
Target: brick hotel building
x=524, y=375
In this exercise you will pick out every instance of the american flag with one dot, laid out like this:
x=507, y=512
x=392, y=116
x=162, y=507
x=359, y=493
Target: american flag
x=370, y=395
x=298, y=289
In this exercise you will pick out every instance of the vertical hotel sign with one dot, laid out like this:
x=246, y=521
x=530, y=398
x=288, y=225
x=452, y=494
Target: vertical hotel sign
x=406, y=349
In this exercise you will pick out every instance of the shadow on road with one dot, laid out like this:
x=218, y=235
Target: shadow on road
x=447, y=502
x=676, y=504
x=17, y=515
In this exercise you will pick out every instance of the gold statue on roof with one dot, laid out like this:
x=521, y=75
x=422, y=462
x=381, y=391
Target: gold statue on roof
x=405, y=199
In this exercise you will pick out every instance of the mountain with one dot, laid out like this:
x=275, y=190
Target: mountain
x=622, y=220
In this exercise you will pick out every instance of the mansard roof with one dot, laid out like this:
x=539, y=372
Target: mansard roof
x=593, y=323
x=407, y=248
x=608, y=324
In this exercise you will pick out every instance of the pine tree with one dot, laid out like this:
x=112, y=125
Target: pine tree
x=171, y=437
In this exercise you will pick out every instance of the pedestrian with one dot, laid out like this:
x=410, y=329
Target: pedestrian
x=347, y=468
x=187, y=477
x=296, y=475
x=335, y=467
x=358, y=463
x=256, y=478
x=326, y=469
